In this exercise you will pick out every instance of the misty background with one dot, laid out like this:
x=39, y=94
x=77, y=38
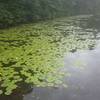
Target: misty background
x=14, y=12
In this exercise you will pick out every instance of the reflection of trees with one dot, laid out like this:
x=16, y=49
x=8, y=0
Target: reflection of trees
x=12, y=97
x=19, y=93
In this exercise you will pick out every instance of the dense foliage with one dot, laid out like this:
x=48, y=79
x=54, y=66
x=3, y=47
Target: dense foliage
x=13, y=12
x=20, y=11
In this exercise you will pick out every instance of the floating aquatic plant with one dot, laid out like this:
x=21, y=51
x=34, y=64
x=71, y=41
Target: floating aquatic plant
x=33, y=54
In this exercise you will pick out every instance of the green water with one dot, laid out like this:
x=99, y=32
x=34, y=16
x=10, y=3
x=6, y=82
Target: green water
x=33, y=53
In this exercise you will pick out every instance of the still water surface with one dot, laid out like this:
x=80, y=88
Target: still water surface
x=83, y=81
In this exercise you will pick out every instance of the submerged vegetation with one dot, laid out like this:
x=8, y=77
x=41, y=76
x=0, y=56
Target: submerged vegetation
x=33, y=53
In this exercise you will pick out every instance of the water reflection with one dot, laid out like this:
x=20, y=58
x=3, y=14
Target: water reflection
x=12, y=97
x=19, y=93
x=84, y=82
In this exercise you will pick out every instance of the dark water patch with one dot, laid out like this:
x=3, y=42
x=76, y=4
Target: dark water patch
x=19, y=93
x=73, y=50
x=14, y=43
x=18, y=44
x=9, y=64
x=9, y=41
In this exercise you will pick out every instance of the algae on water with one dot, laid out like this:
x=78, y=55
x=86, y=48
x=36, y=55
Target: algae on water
x=33, y=53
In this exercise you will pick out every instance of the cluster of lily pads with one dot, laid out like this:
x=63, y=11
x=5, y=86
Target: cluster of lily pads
x=33, y=53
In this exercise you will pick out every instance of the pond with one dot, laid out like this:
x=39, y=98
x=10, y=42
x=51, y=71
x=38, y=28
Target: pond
x=70, y=43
